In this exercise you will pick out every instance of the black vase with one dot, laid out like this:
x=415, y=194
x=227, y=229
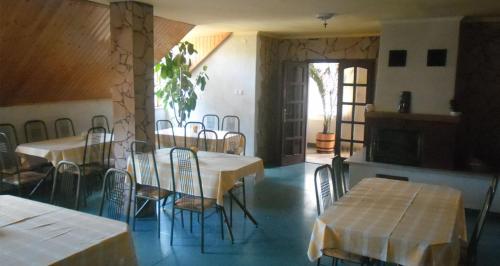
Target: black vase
x=404, y=102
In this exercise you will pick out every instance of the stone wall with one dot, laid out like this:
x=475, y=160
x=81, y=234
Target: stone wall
x=272, y=53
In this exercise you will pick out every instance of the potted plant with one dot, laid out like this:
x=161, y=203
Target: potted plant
x=325, y=140
x=178, y=91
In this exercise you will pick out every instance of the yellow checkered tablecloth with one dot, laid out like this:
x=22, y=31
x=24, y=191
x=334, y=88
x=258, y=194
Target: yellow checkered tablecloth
x=34, y=233
x=394, y=221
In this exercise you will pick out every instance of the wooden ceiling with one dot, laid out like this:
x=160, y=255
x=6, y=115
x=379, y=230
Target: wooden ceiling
x=59, y=50
x=205, y=46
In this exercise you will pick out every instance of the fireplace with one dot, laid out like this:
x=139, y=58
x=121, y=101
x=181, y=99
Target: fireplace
x=412, y=139
x=398, y=146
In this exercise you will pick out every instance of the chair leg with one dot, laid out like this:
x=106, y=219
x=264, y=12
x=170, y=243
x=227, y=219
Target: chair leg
x=244, y=196
x=191, y=221
x=172, y=224
x=231, y=212
x=221, y=223
x=158, y=213
x=134, y=213
x=182, y=218
x=317, y=264
x=202, y=232
x=227, y=224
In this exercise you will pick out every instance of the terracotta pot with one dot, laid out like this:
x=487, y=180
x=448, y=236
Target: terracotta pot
x=325, y=143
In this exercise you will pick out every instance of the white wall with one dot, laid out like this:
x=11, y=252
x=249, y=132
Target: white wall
x=80, y=112
x=231, y=88
x=431, y=87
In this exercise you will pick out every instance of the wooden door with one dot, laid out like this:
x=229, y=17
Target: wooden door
x=294, y=113
x=356, y=89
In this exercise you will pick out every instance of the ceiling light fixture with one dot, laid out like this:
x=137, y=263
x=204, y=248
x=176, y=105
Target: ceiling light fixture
x=324, y=17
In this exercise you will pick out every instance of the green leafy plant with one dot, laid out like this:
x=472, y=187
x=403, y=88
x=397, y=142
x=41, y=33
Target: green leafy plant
x=178, y=90
x=327, y=95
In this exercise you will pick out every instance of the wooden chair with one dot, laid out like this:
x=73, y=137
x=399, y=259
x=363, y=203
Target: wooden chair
x=145, y=170
x=64, y=128
x=190, y=127
x=235, y=143
x=211, y=121
x=66, y=185
x=100, y=121
x=231, y=123
x=170, y=141
x=11, y=172
x=35, y=130
x=116, y=195
x=209, y=143
x=188, y=192
x=325, y=197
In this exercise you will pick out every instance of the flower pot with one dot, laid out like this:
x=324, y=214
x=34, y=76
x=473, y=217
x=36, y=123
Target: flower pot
x=325, y=143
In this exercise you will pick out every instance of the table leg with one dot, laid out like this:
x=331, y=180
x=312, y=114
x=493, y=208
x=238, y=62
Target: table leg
x=243, y=208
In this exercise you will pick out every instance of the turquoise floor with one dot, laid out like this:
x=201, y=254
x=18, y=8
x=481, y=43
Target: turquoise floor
x=284, y=205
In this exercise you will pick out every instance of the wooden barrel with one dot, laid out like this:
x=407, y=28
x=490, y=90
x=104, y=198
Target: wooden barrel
x=325, y=142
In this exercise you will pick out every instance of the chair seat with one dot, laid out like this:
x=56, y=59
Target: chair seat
x=25, y=177
x=151, y=192
x=194, y=203
x=238, y=184
x=339, y=254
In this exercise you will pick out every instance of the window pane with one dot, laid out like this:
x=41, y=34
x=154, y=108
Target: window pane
x=345, y=149
x=345, y=131
x=361, y=75
x=349, y=75
x=357, y=147
x=359, y=113
x=361, y=94
x=359, y=132
x=347, y=95
x=347, y=112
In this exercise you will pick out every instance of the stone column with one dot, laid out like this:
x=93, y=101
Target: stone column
x=133, y=61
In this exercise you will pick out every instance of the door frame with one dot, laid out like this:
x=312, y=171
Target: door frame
x=370, y=98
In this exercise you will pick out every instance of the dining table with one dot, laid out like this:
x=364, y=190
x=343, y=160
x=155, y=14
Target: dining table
x=165, y=136
x=35, y=233
x=219, y=173
x=56, y=150
x=394, y=221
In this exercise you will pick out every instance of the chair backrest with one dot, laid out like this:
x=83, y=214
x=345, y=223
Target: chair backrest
x=186, y=179
x=231, y=123
x=193, y=127
x=116, y=195
x=94, y=148
x=100, y=121
x=478, y=227
x=9, y=163
x=166, y=140
x=110, y=148
x=10, y=131
x=207, y=140
x=144, y=164
x=339, y=180
x=35, y=130
x=211, y=121
x=64, y=127
x=325, y=196
x=66, y=185
x=234, y=143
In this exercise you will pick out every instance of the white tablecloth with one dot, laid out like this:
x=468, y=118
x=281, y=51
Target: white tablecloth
x=394, y=221
x=55, y=150
x=34, y=233
x=219, y=171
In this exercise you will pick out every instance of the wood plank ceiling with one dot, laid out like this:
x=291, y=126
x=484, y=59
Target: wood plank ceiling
x=59, y=50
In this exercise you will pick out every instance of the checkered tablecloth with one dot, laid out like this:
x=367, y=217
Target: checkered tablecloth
x=34, y=233
x=166, y=134
x=394, y=221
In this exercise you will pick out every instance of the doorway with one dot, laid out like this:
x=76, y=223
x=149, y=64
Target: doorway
x=332, y=99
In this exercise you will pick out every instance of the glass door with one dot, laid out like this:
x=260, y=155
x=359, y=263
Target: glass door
x=355, y=91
